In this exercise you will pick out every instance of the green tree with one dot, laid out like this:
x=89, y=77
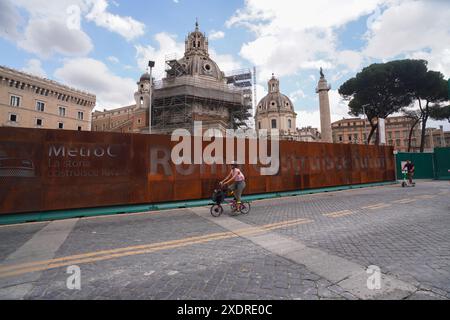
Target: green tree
x=440, y=113
x=430, y=93
x=376, y=91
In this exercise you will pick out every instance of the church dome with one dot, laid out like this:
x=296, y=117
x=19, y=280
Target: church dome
x=198, y=64
x=274, y=101
x=145, y=77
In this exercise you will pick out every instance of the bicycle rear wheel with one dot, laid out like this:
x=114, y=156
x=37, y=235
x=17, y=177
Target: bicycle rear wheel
x=216, y=210
x=245, y=207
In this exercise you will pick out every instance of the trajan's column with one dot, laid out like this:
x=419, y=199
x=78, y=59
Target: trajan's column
x=324, y=102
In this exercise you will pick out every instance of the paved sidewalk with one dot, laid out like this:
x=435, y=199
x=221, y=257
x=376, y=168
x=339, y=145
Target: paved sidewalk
x=304, y=247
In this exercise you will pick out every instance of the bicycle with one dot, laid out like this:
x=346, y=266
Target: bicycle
x=220, y=197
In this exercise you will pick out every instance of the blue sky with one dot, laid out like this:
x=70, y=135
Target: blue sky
x=102, y=45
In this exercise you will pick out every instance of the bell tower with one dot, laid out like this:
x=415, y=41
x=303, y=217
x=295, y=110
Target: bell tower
x=142, y=95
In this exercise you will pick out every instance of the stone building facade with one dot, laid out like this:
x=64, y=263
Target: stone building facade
x=34, y=102
x=397, y=128
x=309, y=134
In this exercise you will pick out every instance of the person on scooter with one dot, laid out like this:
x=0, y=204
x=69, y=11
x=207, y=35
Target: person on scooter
x=409, y=166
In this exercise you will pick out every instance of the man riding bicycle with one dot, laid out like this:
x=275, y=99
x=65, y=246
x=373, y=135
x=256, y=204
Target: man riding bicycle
x=237, y=180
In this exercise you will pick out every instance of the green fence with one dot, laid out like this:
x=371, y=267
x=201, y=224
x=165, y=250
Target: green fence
x=442, y=163
x=434, y=165
x=423, y=163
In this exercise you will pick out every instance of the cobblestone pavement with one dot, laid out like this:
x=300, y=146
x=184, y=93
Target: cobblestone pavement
x=180, y=254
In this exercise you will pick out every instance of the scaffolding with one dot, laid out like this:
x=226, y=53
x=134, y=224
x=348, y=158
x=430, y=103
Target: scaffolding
x=242, y=80
x=180, y=99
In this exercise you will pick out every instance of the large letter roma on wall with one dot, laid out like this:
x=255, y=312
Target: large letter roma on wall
x=44, y=170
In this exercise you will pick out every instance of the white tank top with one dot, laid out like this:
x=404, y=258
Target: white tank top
x=240, y=176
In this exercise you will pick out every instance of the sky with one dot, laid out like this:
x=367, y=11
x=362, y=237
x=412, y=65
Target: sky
x=102, y=46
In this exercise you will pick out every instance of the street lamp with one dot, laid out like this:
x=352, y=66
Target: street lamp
x=151, y=64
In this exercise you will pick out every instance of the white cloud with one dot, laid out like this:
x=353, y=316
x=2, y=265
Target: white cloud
x=418, y=29
x=46, y=37
x=34, y=67
x=127, y=27
x=350, y=58
x=113, y=59
x=294, y=36
x=94, y=76
x=226, y=62
x=9, y=20
x=338, y=110
x=55, y=26
x=216, y=35
x=167, y=44
x=268, y=16
x=296, y=95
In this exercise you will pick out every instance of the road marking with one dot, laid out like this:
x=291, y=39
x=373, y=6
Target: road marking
x=338, y=214
x=426, y=196
x=377, y=206
x=43, y=245
x=13, y=270
x=349, y=275
x=403, y=201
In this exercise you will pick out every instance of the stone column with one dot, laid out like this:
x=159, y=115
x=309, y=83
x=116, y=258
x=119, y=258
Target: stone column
x=324, y=102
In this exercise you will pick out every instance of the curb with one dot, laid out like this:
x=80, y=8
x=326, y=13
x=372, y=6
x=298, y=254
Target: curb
x=103, y=211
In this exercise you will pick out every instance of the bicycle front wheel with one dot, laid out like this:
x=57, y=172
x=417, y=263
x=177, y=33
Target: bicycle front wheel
x=245, y=207
x=216, y=210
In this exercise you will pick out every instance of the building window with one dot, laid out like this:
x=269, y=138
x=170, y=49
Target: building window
x=60, y=125
x=259, y=124
x=40, y=106
x=13, y=117
x=349, y=137
x=39, y=122
x=289, y=123
x=340, y=138
x=80, y=115
x=15, y=101
x=274, y=123
x=62, y=111
x=139, y=120
x=79, y=128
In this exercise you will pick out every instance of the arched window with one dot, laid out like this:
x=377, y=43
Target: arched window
x=259, y=125
x=274, y=123
x=289, y=123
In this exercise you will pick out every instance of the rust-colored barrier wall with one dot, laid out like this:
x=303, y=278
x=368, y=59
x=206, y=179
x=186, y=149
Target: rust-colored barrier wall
x=54, y=169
